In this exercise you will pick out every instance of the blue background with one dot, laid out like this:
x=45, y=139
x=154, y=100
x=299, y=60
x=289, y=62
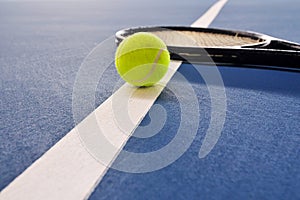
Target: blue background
x=257, y=156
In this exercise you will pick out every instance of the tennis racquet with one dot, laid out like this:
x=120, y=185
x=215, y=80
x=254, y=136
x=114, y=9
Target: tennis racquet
x=224, y=47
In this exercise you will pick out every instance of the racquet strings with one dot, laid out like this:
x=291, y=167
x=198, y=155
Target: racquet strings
x=205, y=39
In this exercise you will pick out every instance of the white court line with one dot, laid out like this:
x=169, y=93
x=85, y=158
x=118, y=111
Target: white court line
x=67, y=170
x=206, y=19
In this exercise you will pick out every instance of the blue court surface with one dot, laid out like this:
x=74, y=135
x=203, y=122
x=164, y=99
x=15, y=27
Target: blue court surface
x=257, y=155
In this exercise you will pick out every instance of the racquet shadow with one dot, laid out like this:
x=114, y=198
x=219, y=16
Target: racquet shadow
x=260, y=80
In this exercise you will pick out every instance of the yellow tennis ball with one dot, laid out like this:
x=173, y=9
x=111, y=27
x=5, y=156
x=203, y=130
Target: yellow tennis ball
x=142, y=59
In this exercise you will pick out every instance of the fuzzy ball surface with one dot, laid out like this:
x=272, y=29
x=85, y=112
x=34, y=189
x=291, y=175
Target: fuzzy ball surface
x=142, y=59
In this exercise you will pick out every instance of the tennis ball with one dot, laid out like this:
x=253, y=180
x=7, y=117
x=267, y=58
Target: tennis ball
x=142, y=59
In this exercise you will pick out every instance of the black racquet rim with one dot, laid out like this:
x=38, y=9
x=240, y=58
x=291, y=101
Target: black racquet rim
x=266, y=53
